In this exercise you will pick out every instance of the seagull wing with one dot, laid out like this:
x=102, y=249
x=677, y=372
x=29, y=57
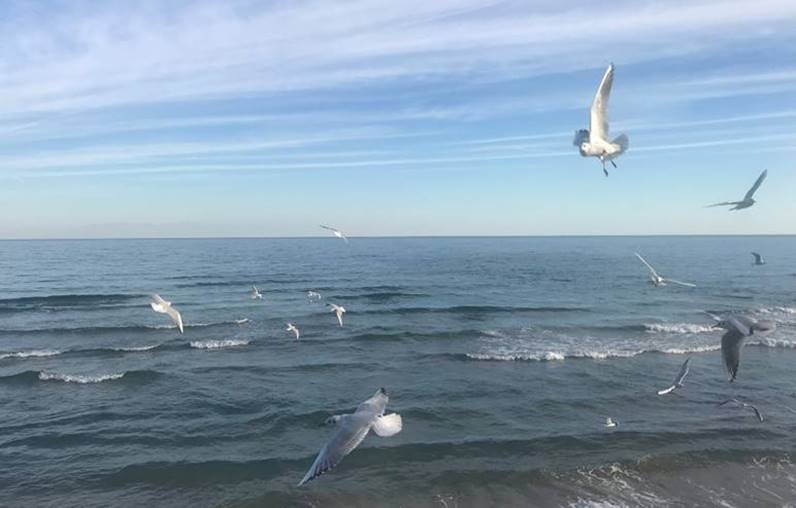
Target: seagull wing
x=756, y=185
x=374, y=405
x=598, y=115
x=351, y=431
x=731, y=344
x=388, y=425
x=758, y=257
x=724, y=203
x=683, y=372
x=680, y=283
x=330, y=228
x=757, y=413
x=175, y=316
x=652, y=270
x=667, y=390
x=160, y=302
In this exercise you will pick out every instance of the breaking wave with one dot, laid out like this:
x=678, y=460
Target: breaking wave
x=218, y=344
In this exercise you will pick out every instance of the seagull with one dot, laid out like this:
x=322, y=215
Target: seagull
x=351, y=430
x=594, y=141
x=744, y=404
x=161, y=306
x=292, y=328
x=678, y=381
x=313, y=295
x=256, y=295
x=609, y=423
x=758, y=259
x=747, y=200
x=337, y=232
x=339, y=310
x=738, y=329
x=658, y=280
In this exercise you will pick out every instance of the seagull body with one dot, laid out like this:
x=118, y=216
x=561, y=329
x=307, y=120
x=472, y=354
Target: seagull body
x=339, y=310
x=758, y=259
x=738, y=329
x=161, y=306
x=351, y=430
x=337, y=232
x=609, y=423
x=292, y=328
x=747, y=200
x=255, y=293
x=658, y=280
x=744, y=404
x=314, y=295
x=678, y=381
x=594, y=141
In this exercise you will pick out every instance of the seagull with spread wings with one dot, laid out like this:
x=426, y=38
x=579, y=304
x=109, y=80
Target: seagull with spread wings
x=747, y=200
x=658, y=280
x=678, y=381
x=336, y=232
x=161, y=306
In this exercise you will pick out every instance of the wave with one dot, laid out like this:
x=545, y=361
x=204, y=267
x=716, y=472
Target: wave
x=36, y=353
x=64, y=302
x=96, y=330
x=549, y=356
x=35, y=376
x=473, y=309
x=778, y=310
x=242, y=321
x=678, y=328
x=135, y=349
x=379, y=297
x=67, y=378
x=218, y=344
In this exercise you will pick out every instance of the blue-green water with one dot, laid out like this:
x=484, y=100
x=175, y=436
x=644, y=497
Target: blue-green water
x=504, y=356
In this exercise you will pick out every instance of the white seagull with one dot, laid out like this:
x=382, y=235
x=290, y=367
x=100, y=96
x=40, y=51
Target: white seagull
x=678, y=381
x=747, y=200
x=337, y=232
x=313, y=295
x=351, y=430
x=255, y=293
x=758, y=259
x=738, y=329
x=594, y=142
x=658, y=280
x=292, y=328
x=339, y=310
x=609, y=423
x=161, y=306
x=744, y=404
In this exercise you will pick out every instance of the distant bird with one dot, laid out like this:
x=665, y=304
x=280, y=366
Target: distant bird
x=678, y=381
x=292, y=328
x=758, y=259
x=351, y=430
x=337, y=232
x=339, y=310
x=744, y=404
x=594, y=142
x=161, y=306
x=313, y=295
x=658, y=280
x=738, y=329
x=609, y=423
x=255, y=293
x=747, y=200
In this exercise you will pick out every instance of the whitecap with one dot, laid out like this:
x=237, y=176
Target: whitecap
x=678, y=328
x=50, y=376
x=36, y=353
x=218, y=344
x=134, y=349
x=242, y=321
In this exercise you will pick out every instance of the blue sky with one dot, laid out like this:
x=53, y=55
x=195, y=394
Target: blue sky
x=247, y=118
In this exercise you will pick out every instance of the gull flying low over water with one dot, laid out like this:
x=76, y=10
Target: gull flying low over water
x=161, y=306
x=747, y=200
x=758, y=259
x=339, y=310
x=337, y=232
x=255, y=293
x=738, y=329
x=678, y=381
x=743, y=404
x=658, y=280
x=594, y=141
x=351, y=430
x=609, y=423
x=292, y=328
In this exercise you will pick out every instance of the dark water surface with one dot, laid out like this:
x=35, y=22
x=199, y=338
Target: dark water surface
x=503, y=355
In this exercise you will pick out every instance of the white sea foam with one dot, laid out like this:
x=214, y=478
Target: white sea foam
x=54, y=376
x=218, y=344
x=36, y=353
x=689, y=350
x=549, y=356
x=242, y=321
x=133, y=349
x=604, y=355
x=679, y=328
x=775, y=343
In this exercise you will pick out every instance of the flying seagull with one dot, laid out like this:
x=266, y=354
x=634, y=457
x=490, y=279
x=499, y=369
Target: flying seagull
x=744, y=404
x=678, y=381
x=747, y=200
x=351, y=430
x=339, y=310
x=758, y=259
x=292, y=328
x=738, y=329
x=658, y=280
x=161, y=306
x=609, y=423
x=255, y=293
x=594, y=142
x=337, y=232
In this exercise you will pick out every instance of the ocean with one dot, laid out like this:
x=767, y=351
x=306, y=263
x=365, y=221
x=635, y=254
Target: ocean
x=504, y=356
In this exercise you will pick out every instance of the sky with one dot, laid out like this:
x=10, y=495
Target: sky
x=268, y=118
